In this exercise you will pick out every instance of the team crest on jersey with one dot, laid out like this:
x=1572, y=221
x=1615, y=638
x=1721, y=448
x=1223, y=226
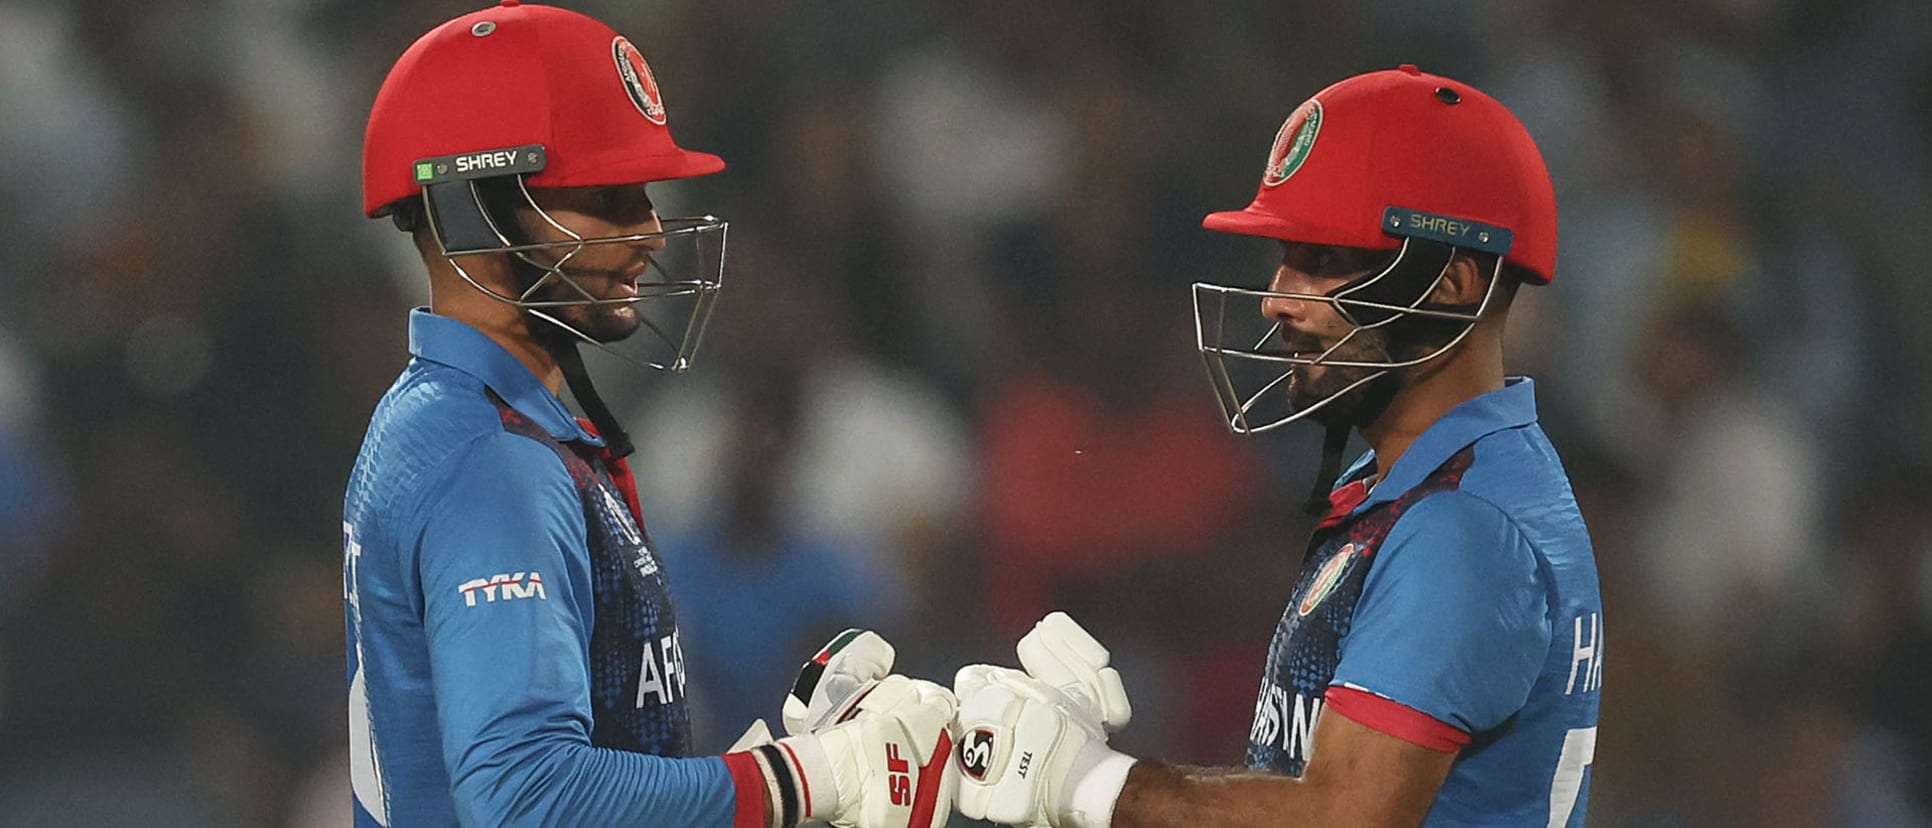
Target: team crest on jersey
x=1326, y=579
x=638, y=80
x=1293, y=142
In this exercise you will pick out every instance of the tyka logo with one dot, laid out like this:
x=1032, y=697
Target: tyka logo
x=503, y=586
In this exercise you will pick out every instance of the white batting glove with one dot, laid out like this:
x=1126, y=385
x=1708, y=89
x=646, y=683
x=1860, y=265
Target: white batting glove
x=885, y=762
x=853, y=661
x=757, y=734
x=1060, y=653
x=1030, y=755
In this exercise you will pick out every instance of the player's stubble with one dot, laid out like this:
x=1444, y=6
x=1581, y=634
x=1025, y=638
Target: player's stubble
x=604, y=324
x=1308, y=385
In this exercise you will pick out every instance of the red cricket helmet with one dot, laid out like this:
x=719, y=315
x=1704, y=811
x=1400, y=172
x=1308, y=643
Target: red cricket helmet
x=1394, y=160
x=1435, y=156
x=521, y=76
x=488, y=106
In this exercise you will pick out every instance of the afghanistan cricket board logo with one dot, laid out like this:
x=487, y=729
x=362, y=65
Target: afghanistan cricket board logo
x=638, y=80
x=1326, y=579
x=1292, y=143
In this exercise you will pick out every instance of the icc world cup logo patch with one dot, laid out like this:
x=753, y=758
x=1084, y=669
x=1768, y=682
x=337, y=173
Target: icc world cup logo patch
x=1293, y=143
x=638, y=81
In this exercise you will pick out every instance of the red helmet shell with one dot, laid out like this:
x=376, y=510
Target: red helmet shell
x=514, y=75
x=1404, y=139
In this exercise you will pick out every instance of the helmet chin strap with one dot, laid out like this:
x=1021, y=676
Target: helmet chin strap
x=1379, y=393
x=1387, y=285
x=562, y=346
x=496, y=205
x=1334, y=441
x=616, y=440
x=478, y=215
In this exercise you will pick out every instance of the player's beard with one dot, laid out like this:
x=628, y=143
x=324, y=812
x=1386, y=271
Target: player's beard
x=603, y=324
x=1308, y=386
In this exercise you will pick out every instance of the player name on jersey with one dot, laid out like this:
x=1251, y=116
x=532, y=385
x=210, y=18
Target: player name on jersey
x=1586, y=656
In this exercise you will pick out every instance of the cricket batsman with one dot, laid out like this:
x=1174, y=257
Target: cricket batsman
x=1441, y=654
x=514, y=656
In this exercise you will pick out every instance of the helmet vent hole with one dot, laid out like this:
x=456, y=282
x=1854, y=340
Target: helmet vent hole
x=1447, y=95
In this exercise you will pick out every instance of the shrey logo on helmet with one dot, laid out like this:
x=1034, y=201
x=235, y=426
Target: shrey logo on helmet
x=638, y=80
x=1292, y=143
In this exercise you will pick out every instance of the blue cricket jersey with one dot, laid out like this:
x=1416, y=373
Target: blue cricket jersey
x=513, y=650
x=1455, y=605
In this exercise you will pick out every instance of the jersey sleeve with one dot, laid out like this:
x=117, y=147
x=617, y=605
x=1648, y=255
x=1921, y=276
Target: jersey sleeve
x=503, y=569
x=1451, y=631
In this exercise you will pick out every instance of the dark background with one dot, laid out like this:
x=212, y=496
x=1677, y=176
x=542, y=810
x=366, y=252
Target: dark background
x=952, y=382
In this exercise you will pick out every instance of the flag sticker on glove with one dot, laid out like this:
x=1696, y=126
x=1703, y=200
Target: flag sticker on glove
x=976, y=753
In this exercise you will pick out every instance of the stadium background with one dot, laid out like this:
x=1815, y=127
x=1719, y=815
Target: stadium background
x=952, y=382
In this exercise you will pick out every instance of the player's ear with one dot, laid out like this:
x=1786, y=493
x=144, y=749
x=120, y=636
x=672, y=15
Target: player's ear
x=1463, y=283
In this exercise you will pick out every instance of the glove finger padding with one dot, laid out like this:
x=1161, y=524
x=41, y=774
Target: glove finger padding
x=927, y=710
x=834, y=677
x=973, y=678
x=1061, y=653
x=757, y=734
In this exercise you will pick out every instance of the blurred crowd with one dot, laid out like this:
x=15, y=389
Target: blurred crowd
x=952, y=383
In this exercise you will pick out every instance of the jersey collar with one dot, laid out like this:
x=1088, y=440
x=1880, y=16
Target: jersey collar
x=446, y=341
x=1511, y=406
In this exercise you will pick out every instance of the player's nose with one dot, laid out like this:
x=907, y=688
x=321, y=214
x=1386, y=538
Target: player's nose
x=1278, y=307
x=649, y=228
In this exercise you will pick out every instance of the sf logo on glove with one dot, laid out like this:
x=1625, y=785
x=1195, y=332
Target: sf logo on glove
x=898, y=776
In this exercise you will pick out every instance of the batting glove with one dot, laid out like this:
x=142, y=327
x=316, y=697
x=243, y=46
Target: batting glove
x=1029, y=755
x=885, y=762
x=853, y=661
x=1061, y=654
x=757, y=734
